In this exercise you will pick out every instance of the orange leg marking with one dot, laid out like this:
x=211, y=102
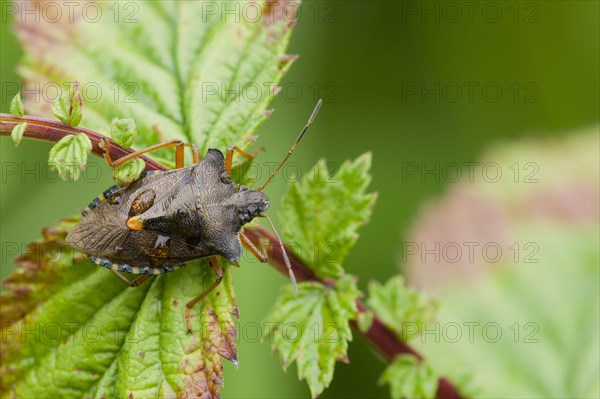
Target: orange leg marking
x=179, y=155
x=229, y=156
x=195, y=151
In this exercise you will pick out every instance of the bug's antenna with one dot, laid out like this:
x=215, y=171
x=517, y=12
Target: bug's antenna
x=286, y=260
x=289, y=154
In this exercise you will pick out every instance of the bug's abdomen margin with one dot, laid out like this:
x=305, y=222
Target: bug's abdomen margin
x=132, y=269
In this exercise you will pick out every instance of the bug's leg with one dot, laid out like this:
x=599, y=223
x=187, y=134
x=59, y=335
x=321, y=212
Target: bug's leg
x=132, y=283
x=105, y=145
x=163, y=138
x=195, y=152
x=136, y=282
x=178, y=144
x=216, y=265
x=229, y=156
x=249, y=245
x=161, y=135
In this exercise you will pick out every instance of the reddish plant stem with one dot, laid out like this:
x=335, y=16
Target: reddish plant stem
x=48, y=130
x=378, y=335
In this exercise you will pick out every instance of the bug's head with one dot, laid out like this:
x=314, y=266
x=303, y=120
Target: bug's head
x=250, y=204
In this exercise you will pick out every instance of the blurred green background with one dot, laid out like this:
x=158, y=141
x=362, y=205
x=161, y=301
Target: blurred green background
x=363, y=58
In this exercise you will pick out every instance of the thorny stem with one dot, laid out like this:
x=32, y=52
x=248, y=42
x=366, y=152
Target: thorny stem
x=378, y=335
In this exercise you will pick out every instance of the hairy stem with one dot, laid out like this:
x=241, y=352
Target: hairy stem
x=378, y=335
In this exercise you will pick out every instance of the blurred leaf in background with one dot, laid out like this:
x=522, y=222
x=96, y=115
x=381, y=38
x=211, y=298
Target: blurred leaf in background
x=521, y=310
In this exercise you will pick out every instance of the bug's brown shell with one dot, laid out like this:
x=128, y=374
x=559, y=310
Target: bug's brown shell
x=186, y=214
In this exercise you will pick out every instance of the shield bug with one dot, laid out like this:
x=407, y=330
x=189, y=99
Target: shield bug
x=165, y=219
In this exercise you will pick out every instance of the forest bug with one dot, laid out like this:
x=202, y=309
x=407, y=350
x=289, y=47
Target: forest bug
x=165, y=219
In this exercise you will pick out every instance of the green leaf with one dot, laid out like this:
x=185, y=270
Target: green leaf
x=69, y=155
x=169, y=67
x=410, y=378
x=123, y=131
x=68, y=108
x=129, y=171
x=60, y=109
x=76, y=103
x=324, y=211
x=16, y=106
x=402, y=309
x=312, y=328
x=71, y=329
x=365, y=320
x=405, y=311
x=198, y=74
x=240, y=173
x=17, y=132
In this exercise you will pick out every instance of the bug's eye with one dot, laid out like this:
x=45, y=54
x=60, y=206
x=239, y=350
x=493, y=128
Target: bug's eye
x=225, y=178
x=181, y=212
x=243, y=188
